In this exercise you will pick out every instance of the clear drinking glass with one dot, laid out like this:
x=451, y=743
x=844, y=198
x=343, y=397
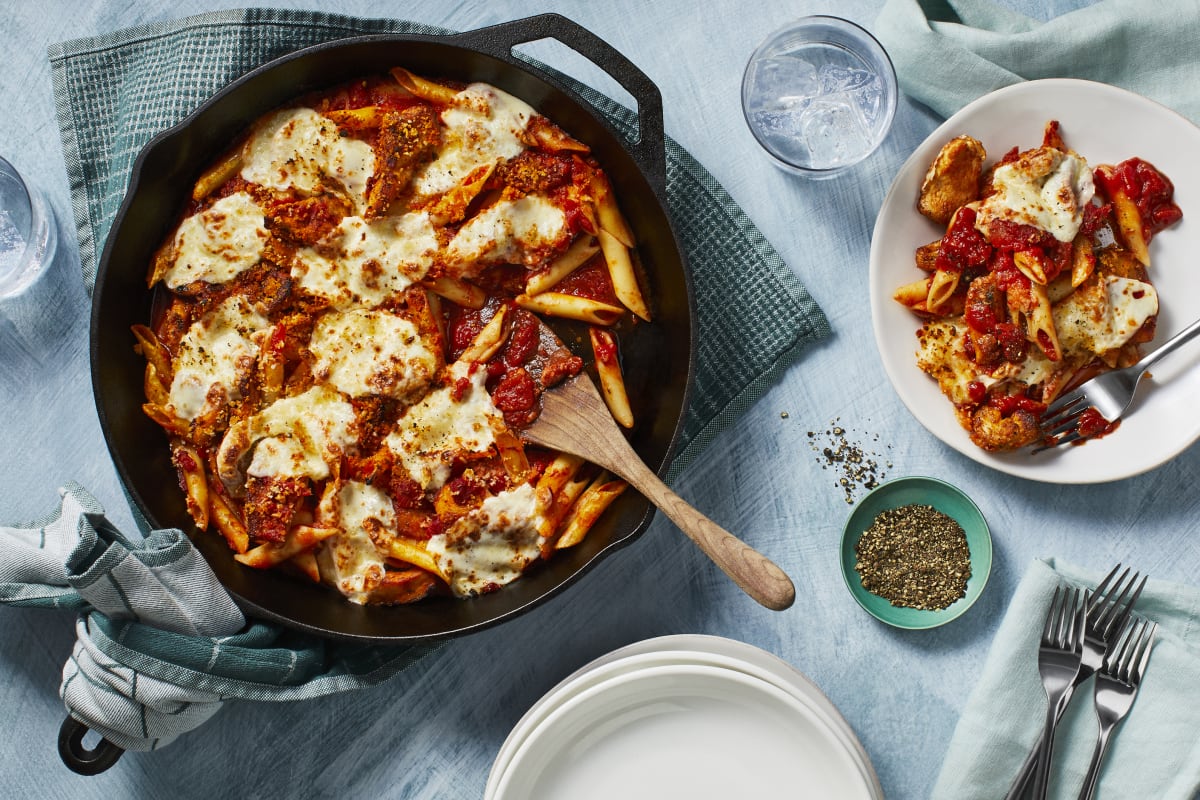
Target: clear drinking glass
x=819, y=95
x=27, y=233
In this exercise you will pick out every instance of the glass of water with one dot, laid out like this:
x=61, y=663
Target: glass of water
x=27, y=233
x=819, y=95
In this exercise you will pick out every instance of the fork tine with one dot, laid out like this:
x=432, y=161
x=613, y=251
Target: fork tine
x=1051, y=617
x=1143, y=657
x=1119, y=622
x=1117, y=610
x=1071, y=437
x=1058, y=411
x=1098, y=595
x=1063, y=402
x=1063, y=423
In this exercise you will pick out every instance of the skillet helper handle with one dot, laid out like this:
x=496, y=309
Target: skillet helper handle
x=650, y=147
x=80, y=759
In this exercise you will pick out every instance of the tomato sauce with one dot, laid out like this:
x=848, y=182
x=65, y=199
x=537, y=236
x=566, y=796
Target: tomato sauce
x=962, y=246
x=1151, y=191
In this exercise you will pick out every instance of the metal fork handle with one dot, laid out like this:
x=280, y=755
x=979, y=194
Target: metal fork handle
x=1029, y=768
x=1169, y=346
x=1093, y=773
x=1041, y=775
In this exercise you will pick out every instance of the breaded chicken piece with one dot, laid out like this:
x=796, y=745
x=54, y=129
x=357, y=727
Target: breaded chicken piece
x=952, y=180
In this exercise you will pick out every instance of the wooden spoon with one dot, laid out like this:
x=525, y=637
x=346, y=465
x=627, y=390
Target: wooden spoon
x=575, y=420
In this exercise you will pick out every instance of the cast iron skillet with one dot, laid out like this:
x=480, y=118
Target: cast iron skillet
x=658, y=357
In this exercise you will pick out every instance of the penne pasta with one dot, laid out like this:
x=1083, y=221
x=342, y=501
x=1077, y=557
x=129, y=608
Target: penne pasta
x=512, y=455
x=608, y=215
x=364, y=117
x=401, y=586
x=599, y=495
x=305, y=563
x=914, y=295
x=620, y=269
x=299, y=538
x=488, y=340
x=557, y=474
x=152, y=349
x=612, y=382
x=1034, y=265
x=423, y=87
x=1083, y=261
x=412, y=551
x=216, y=176
x=195, y=483
x=1040, y=324
x=170, y=423
x=574, y=257
x=157, y=393
x=457, y=291
x=569, y=306
x=228, y=522
x=942, y=286
x=452, y=206
x=548, y=136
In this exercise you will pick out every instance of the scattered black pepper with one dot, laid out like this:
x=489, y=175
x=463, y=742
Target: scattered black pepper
x=914, y=556
x=859, y=468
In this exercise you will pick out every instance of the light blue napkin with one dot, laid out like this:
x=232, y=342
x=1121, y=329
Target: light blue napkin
x=1155, y=752
x=950, y=52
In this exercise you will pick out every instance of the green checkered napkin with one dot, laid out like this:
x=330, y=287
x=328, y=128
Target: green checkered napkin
x=150, y=662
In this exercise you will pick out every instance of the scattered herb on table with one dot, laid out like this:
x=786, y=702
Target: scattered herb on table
x=914, y=556
x=859, y=468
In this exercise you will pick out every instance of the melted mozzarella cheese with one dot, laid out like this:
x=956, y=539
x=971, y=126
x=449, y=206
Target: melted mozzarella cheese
x=300, y=436
x=432, y=430
x=1045, y=188
x=219, y=243
x=940, y=355
x=492, y=545
x=371, y=260
x=483, y=126
x=217, y=351
x=372, y=352
x=508, y=232
x=298, y=148
x=1093, y=323
x=350, y=559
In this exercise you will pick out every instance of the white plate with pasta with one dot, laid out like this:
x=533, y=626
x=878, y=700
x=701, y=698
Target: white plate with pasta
x=1105, y=125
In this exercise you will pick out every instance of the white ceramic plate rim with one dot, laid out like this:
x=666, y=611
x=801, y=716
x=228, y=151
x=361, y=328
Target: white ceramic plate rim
x=1104, y=124
x=669, y=680
x=589, y=677
x=689, y=649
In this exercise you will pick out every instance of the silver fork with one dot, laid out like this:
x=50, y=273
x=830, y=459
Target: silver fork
x=1107, y=609
x=1060, y=654
x=1110, y=393
x=1117, y=685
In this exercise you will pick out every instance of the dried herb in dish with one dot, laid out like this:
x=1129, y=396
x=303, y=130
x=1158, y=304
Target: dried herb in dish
x=914, y=556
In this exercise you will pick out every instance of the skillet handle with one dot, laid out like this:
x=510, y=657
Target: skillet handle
x=650, y=147
x=79, y=758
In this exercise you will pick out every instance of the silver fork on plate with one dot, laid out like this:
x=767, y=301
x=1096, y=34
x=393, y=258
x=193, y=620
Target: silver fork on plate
x=1117, y=685
x=1107, y=609
x=1110, y=393
x=1060, y=654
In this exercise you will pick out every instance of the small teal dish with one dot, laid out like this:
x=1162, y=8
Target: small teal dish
x=943, y=497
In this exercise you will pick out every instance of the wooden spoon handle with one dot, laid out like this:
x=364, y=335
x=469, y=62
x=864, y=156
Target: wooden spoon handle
x=753, y=572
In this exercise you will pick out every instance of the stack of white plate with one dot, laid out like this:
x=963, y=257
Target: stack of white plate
x=688, y=716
